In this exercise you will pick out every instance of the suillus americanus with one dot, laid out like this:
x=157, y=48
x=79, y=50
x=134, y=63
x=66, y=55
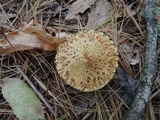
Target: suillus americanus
x=87, y=60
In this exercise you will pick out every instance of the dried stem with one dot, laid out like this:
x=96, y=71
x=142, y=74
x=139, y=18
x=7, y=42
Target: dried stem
x=35, y=89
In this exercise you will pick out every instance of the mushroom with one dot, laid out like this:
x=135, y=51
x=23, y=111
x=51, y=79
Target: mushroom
x=87, y=61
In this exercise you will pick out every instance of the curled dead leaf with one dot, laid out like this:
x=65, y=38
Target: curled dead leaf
x=30, y=36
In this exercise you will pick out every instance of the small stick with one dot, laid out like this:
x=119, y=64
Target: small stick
x=35, y=89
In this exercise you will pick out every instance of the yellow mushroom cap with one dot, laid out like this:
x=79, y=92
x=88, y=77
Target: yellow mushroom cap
x=87, y=61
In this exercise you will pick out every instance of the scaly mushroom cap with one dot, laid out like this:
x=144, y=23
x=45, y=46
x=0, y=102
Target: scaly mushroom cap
x=87, y=61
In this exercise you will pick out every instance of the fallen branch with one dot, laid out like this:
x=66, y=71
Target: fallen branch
x=149, y=71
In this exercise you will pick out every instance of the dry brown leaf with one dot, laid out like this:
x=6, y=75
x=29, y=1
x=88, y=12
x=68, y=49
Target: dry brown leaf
x=130, y=53
x=29, y=36
x=6, y=16
x=78, y=7
x=99, y=14
x=4, y=19
x=102, y=14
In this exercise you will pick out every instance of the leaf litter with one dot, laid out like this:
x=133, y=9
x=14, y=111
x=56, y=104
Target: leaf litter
x=32, y=35
x=128, y=86
x=99, y=14
x=80, y=6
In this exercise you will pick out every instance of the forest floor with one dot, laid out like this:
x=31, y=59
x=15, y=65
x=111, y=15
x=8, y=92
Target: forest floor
x=121, y=21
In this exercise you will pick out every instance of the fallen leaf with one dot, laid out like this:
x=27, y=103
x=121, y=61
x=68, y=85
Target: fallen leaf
x=130, y=53
x=128, y=86
x=103, y=14
x=22, y=99
x=78, y=7
x=30, y=36
x=4, y=19
x=51, y=5
x=99, y=14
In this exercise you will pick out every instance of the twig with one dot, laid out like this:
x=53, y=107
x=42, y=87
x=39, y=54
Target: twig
x=35, y=89
x=149, y=71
